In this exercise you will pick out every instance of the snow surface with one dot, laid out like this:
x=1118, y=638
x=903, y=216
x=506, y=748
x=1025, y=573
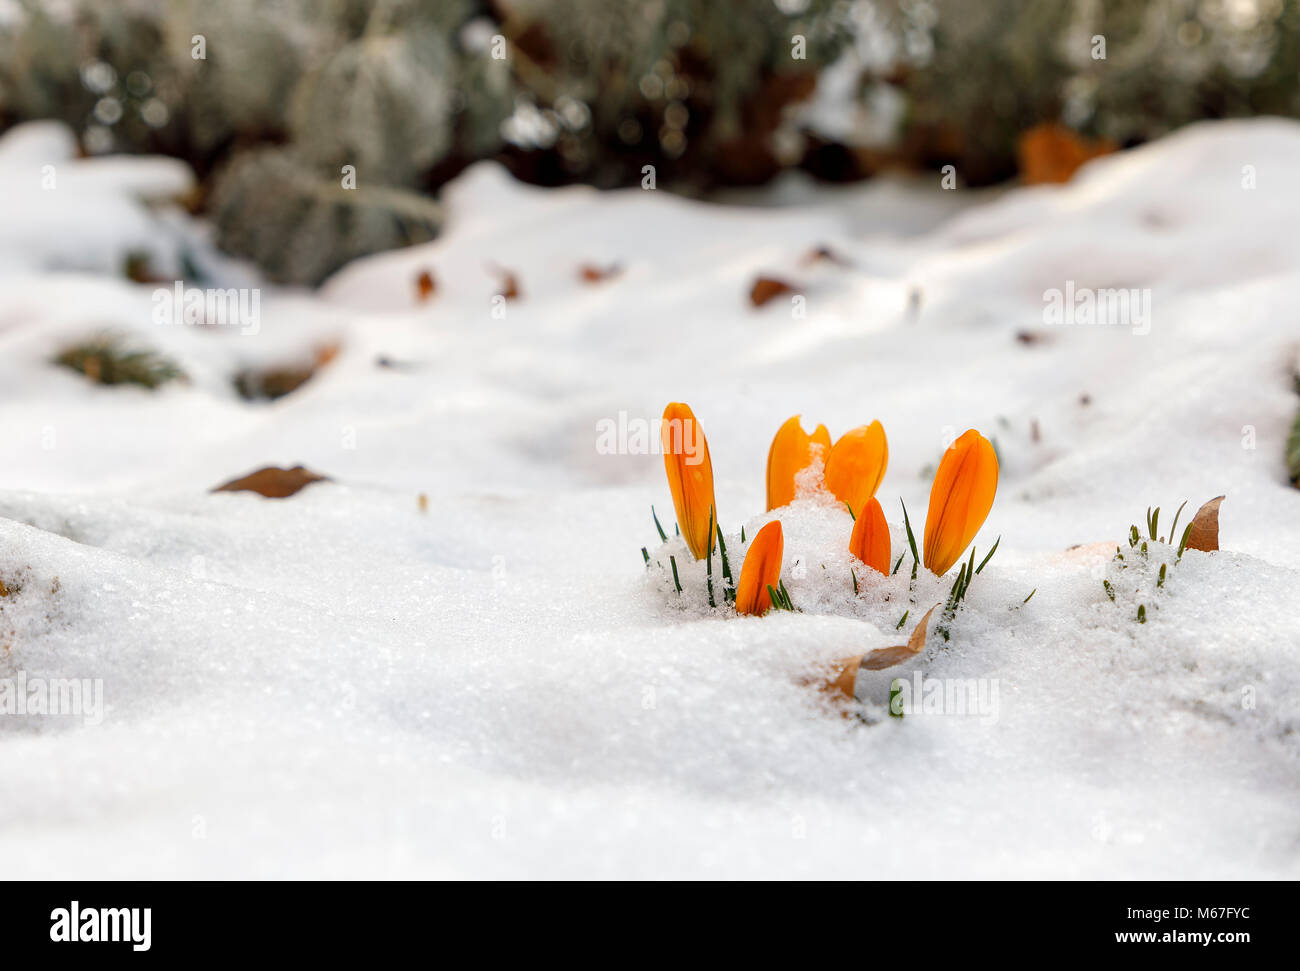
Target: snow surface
x=341, y=685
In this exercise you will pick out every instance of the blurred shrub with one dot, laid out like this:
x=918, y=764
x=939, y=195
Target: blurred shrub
x=106, y=359
x=697, y=88
x=980, y=74
x=709, y=92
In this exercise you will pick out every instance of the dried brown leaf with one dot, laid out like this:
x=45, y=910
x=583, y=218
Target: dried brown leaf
x=824, y=253
x=276, y=382
x=1205, y=527
x=425, y=286
x=846, y=675
x=767, y=288
x=1031, y=337
x=887, y=657
x=846, y=669
x=510, y=288
x=273, y=482
x=591, y=273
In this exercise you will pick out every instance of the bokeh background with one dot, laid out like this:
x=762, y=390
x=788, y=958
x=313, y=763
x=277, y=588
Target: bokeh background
x=712, y=94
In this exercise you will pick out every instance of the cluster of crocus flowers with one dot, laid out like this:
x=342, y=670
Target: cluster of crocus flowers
x=960, y=498
x=853, y=467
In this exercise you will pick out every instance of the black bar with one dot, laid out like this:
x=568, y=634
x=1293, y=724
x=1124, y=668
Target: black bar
x=836, y=921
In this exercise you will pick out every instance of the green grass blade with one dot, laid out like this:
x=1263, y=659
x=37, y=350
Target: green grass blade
x=662, y=535
x=984, y=561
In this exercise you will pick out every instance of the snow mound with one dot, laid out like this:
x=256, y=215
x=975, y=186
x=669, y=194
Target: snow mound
x=345, y=684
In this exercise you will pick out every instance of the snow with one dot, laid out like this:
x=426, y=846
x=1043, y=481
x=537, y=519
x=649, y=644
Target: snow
x=341, y=685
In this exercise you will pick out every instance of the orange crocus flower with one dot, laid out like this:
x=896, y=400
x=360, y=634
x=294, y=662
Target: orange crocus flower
x=856, y=465
x=960, y=500
x=762, y=568
x=690, y=477
x=870, y=539
x=792, y=451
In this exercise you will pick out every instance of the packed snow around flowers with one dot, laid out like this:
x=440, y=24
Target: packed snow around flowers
x=358, y=588
x=802, y=467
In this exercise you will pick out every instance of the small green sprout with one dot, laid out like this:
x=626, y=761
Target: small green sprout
x=662, y=535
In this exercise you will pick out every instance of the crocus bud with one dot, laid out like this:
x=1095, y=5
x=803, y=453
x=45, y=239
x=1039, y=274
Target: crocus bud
x=870, y=539
x=690, y=477
x=792, y=451
x=762, y=569
x=960, y=500
x=856, y=465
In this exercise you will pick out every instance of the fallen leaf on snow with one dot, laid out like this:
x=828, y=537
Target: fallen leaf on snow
x=1031, y=337
x=276, y=382
x=273, y=482
x=425, y=287
x=819, y=253
x=885, y=657
x=591, y=273
x=509, y=283
x=1205, y=527
x=766, y=288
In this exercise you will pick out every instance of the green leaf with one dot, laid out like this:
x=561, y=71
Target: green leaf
x=984, y=561
x=662, y=535
x=729, y=584
x=911, y=539
x=708, y=566
x=780, y=597
x=676, y=580
x=1173, y=530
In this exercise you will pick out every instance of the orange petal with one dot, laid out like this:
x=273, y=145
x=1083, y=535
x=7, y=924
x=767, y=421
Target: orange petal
x=792, y=451
x=690, y=477
x=870, y=539
x=960, y=500
x=762, y=568
x=856, y=465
